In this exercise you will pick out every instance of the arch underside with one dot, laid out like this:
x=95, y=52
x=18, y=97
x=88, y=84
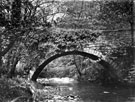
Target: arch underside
x=105, y=64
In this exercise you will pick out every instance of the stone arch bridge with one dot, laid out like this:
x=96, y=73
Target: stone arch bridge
x=109, y=66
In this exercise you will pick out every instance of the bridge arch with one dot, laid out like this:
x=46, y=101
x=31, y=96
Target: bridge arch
x=99, y=60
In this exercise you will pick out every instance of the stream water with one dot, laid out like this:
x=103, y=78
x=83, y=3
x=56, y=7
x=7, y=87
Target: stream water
x=89, y=92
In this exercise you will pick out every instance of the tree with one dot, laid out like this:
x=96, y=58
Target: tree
x=16, y=13
x=30, y=31
x=117, y=15
x=20, y=20
x=81, y=14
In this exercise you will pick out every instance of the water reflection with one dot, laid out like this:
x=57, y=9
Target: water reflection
x=96, y=93
x=89, y=92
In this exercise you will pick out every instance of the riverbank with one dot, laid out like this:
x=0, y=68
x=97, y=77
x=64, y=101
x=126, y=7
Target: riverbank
x=11, y=89
x=21, y=90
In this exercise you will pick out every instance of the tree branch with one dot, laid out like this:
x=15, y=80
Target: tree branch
x=8, y=47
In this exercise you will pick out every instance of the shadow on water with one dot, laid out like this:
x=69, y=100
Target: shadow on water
x=89, y=92
x=98, y=93
x=92, y=92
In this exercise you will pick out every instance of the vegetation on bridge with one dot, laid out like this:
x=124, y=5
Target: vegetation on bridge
x=28, y=37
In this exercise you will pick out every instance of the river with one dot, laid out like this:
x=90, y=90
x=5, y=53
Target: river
x=90, y=92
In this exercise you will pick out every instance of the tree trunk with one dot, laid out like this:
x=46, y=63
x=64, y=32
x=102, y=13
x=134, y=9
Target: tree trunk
x=16, y=13
x=132, y=23
x=13, y=68
x=132, y=30
x=14, y=61
x=0, y=64
x=0, y=50
x=77, y=66
x=0, y=61
x=78, y=61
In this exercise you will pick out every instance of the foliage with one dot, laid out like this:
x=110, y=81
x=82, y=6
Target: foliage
x=32, y=31
x=121, y=39
x=10, y=89
x=120, y=10
x=26, y=30
x=81, y=14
